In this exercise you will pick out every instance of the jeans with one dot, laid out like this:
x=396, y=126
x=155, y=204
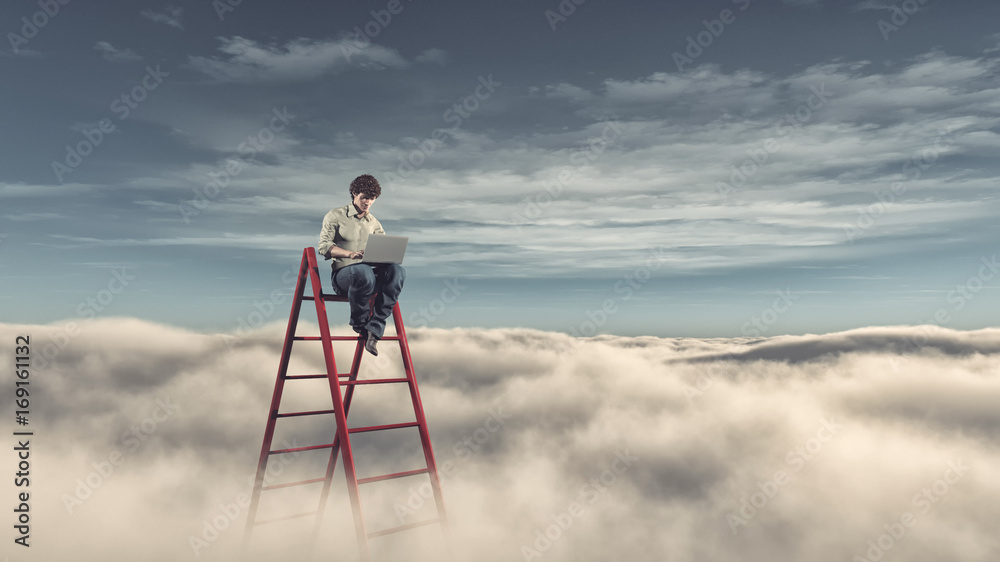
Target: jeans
x=358, y=282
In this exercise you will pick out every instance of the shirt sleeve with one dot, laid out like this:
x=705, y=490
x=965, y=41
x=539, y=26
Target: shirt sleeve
x=378, y=228
x=327, y=235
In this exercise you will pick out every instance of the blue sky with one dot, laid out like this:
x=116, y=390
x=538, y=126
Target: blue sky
x=805, y=168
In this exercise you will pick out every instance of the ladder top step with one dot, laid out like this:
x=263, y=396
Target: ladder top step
x=326, y=297
x=342, y=338
x=332, y=338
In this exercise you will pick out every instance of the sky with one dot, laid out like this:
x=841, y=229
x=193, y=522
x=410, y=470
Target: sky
x=550, y=448
x=639, y=168
x=772, y=222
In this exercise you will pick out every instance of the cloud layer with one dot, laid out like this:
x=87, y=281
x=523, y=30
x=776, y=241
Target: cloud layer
x=793, y=448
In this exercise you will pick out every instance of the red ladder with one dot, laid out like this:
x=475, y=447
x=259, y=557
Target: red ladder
x=341, y=408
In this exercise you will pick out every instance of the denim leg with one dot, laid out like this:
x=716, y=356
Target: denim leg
x=357, y=281
x=388, y=282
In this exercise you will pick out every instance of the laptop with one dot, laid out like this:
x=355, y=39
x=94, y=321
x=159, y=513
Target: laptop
x=384, y=249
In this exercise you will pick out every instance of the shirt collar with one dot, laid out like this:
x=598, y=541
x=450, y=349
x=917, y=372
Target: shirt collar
x=352, y=211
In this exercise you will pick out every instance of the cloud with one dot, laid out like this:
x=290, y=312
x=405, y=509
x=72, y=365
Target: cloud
x=615, y=448
x=995, y=38
x=874, y=5
x=530, y=194
x=247, y=61
x=171, y=16
x=434, y=55
x=110, y=53
x=23, y=217
x=26, y=53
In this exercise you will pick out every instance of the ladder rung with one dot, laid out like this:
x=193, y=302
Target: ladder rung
x=391, y=476
x=341, y=375
x=285, y=518
x=402, y=528
x=326, y=297
x=312, y=413
x=381, y=427
x=332, y=338
x=296, y=449
x=374, y=381
x=286, y=485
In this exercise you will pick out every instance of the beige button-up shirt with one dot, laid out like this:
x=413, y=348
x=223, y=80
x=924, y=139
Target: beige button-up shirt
x=344, y=228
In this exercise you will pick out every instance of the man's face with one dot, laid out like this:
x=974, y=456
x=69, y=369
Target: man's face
x=363, y=202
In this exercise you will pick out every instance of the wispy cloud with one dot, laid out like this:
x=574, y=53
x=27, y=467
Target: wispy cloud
x=171, y=15
x=110, y=53
x=246, y=60
x=434, y=55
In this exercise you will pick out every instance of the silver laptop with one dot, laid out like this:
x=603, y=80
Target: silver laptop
x=384, y=249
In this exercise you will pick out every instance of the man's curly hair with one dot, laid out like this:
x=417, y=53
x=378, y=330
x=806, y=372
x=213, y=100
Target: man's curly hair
x=366, y=184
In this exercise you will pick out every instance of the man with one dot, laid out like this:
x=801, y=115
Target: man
x=343, y=239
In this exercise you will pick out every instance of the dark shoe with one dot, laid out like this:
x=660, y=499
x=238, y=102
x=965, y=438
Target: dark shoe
x=362, y=332
x=370, y=344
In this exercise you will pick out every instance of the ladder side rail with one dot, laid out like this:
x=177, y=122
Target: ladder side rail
x=338, y=405
x=332, y=463
x=286, y=352
x=418, y=411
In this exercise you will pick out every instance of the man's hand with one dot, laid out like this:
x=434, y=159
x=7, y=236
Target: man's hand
x=338, y=252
